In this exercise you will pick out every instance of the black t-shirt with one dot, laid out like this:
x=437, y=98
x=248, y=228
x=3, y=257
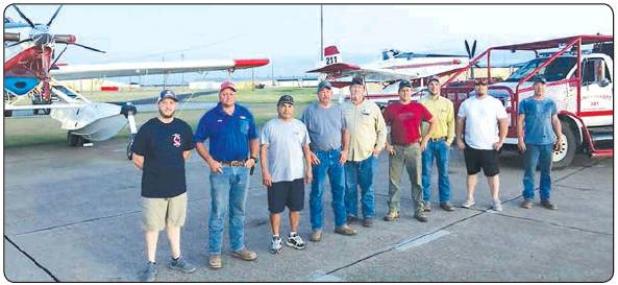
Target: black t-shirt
x=162, y=146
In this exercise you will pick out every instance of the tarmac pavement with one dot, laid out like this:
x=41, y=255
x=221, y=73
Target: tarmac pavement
x=73, y=214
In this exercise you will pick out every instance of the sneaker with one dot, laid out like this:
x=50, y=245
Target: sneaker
x=352, y=219
x=391, y=216
x=548, y=205
x=497, y=206
x=316, y=235
x=420, y=216
x=427, y=206
x=150, y=273
x=345, y=230
x=446, y=206
x=214, y=261
x=367, y=222
x=275, y=245
x=468, y=204
x=245, y=255
x=182, y=265
x=526, y=204
x=295, y=241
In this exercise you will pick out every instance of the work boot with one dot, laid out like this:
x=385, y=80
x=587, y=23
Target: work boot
x=150, y=274
x=526, y=204
x=548, y=205
x=345, y=230
x=316, y=236
x=446, y=206
x=392, y=215
x=214, y=261
x=427, y=206
x=420, y=216
x=367, y=222
x=352, y=219
x=245, y=255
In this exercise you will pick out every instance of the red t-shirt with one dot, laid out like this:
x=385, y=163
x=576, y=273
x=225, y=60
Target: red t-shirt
x=405, y=121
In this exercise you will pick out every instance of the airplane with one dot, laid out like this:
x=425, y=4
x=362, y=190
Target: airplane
x=33, y=73
x=393, y=67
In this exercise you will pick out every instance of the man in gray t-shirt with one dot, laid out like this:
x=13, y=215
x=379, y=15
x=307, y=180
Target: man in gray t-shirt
x=285, y=141
x=329, y=148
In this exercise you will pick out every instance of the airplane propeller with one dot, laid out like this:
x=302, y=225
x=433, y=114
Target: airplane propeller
x=23, y=16
x=54, y=16
x=471, y=52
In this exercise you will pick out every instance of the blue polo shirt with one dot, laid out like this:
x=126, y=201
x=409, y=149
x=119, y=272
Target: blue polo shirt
x=228, y=136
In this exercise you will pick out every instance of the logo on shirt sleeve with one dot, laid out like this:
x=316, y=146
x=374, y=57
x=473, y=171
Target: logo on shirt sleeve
x=176, y=141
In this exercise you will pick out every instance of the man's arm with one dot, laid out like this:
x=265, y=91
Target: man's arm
x=458, y=132
x=345, y=141
x=214, y=165
x=433, y=123
x=186, y=154
x=521, y=145
x=450, y=124
x=308, y=170
x=380, y=132
x=504, y=127
x=266, y=178
x=557, y=126
x=138, y=160
x=254, y=149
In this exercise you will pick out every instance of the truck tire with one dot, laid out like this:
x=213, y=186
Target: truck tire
x=8, y=113
x=564, y=156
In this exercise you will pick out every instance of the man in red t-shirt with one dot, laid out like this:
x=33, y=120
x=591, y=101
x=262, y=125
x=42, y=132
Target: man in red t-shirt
x=405, y=146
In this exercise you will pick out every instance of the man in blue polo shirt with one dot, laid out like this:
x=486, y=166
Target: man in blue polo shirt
x=232, y=151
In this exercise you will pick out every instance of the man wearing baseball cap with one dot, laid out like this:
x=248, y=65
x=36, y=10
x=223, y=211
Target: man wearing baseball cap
x=329, y=148
x=231, y=153
x=284, y=144
x=486, y=125
x=367, y=138
x=405, y=145
x=161, y=147
x=439, y=145
x=539, y=132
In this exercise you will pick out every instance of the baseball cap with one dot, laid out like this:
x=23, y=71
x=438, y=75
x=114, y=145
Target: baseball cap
x=324, y=84
x=286, y=99
x=357, y=80
x=167, y=94
x=227, y=84
x=540, y=79
x=433, y=78
x=404, y=83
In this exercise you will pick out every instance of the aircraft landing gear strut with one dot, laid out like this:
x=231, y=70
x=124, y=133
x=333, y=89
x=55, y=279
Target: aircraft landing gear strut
x=129, y=112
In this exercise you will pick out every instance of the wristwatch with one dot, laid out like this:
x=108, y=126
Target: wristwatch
x=254, y=159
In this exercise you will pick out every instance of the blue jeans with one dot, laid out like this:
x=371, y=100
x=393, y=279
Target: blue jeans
x=360, y=173
x=329, y=164
x=439, y=151
x=540, y=154
x=228, y=189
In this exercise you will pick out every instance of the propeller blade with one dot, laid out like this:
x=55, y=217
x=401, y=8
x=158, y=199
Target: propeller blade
x=57, y=58
x=54, y=16
x=467, y=48
x=20, y=42
x=23, y=16
x=90, y=48
x=473, y=49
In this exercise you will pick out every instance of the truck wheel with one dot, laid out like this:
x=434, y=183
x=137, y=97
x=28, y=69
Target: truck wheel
x=8, y=113
x=564, y=156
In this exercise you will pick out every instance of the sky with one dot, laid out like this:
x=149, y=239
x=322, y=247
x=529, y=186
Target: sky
x=290, y=34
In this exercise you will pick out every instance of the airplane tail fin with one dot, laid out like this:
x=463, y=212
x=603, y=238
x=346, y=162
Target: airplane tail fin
x=331, y=55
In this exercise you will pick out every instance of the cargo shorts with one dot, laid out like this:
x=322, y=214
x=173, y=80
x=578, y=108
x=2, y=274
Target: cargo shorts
x=159, y=212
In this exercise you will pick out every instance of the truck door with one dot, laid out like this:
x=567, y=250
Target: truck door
x=597, y=86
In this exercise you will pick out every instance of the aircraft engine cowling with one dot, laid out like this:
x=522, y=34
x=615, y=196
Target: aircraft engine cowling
x=65, y=39
x=11, y=37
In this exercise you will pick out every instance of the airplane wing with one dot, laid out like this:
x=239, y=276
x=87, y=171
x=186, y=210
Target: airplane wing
x=70, y=72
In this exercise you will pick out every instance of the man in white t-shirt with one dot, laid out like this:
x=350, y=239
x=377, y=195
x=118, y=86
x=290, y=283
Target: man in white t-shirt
x=285, y=141
x=482, y=114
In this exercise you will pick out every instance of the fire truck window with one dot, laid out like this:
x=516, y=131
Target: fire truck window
x=588, y=72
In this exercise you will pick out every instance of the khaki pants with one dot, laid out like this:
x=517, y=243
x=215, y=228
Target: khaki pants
x=159, y=212
x=410, y=157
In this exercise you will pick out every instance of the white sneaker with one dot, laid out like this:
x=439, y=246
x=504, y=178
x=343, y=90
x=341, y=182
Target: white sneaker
x=275, y=245
x=469, y=203
x=295, y=241
x=497, y=206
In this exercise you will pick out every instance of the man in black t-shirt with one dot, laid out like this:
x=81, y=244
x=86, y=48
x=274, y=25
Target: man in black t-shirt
x=160, y=150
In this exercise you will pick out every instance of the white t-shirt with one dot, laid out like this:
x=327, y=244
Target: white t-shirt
x=481, y=115
x=285, y=142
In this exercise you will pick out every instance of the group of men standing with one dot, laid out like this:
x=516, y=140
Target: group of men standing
x=340, y=143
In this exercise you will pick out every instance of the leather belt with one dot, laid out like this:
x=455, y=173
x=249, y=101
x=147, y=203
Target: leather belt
x=437, y=139
x=234, y=163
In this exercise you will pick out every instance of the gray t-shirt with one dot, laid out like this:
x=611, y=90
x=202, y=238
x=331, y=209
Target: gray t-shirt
x=285, y=142
x=324, y=126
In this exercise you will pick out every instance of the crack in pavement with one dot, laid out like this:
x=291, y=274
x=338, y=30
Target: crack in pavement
x=32, y=259
x=74, y=223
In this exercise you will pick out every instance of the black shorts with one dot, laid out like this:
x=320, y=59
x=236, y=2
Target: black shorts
x=485, y=158
x=286, y=193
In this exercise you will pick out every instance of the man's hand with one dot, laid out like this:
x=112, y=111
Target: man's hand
x=215, y=166
x=314, y=158
x=424, y=144
x=376, y=151
x=390, y=149
x=308, y=176
x=558, y=144
x=344, y=157
x=498, y=145
x=521, y=145
x=460, y=144
x=250, y=163
x=267, y=180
